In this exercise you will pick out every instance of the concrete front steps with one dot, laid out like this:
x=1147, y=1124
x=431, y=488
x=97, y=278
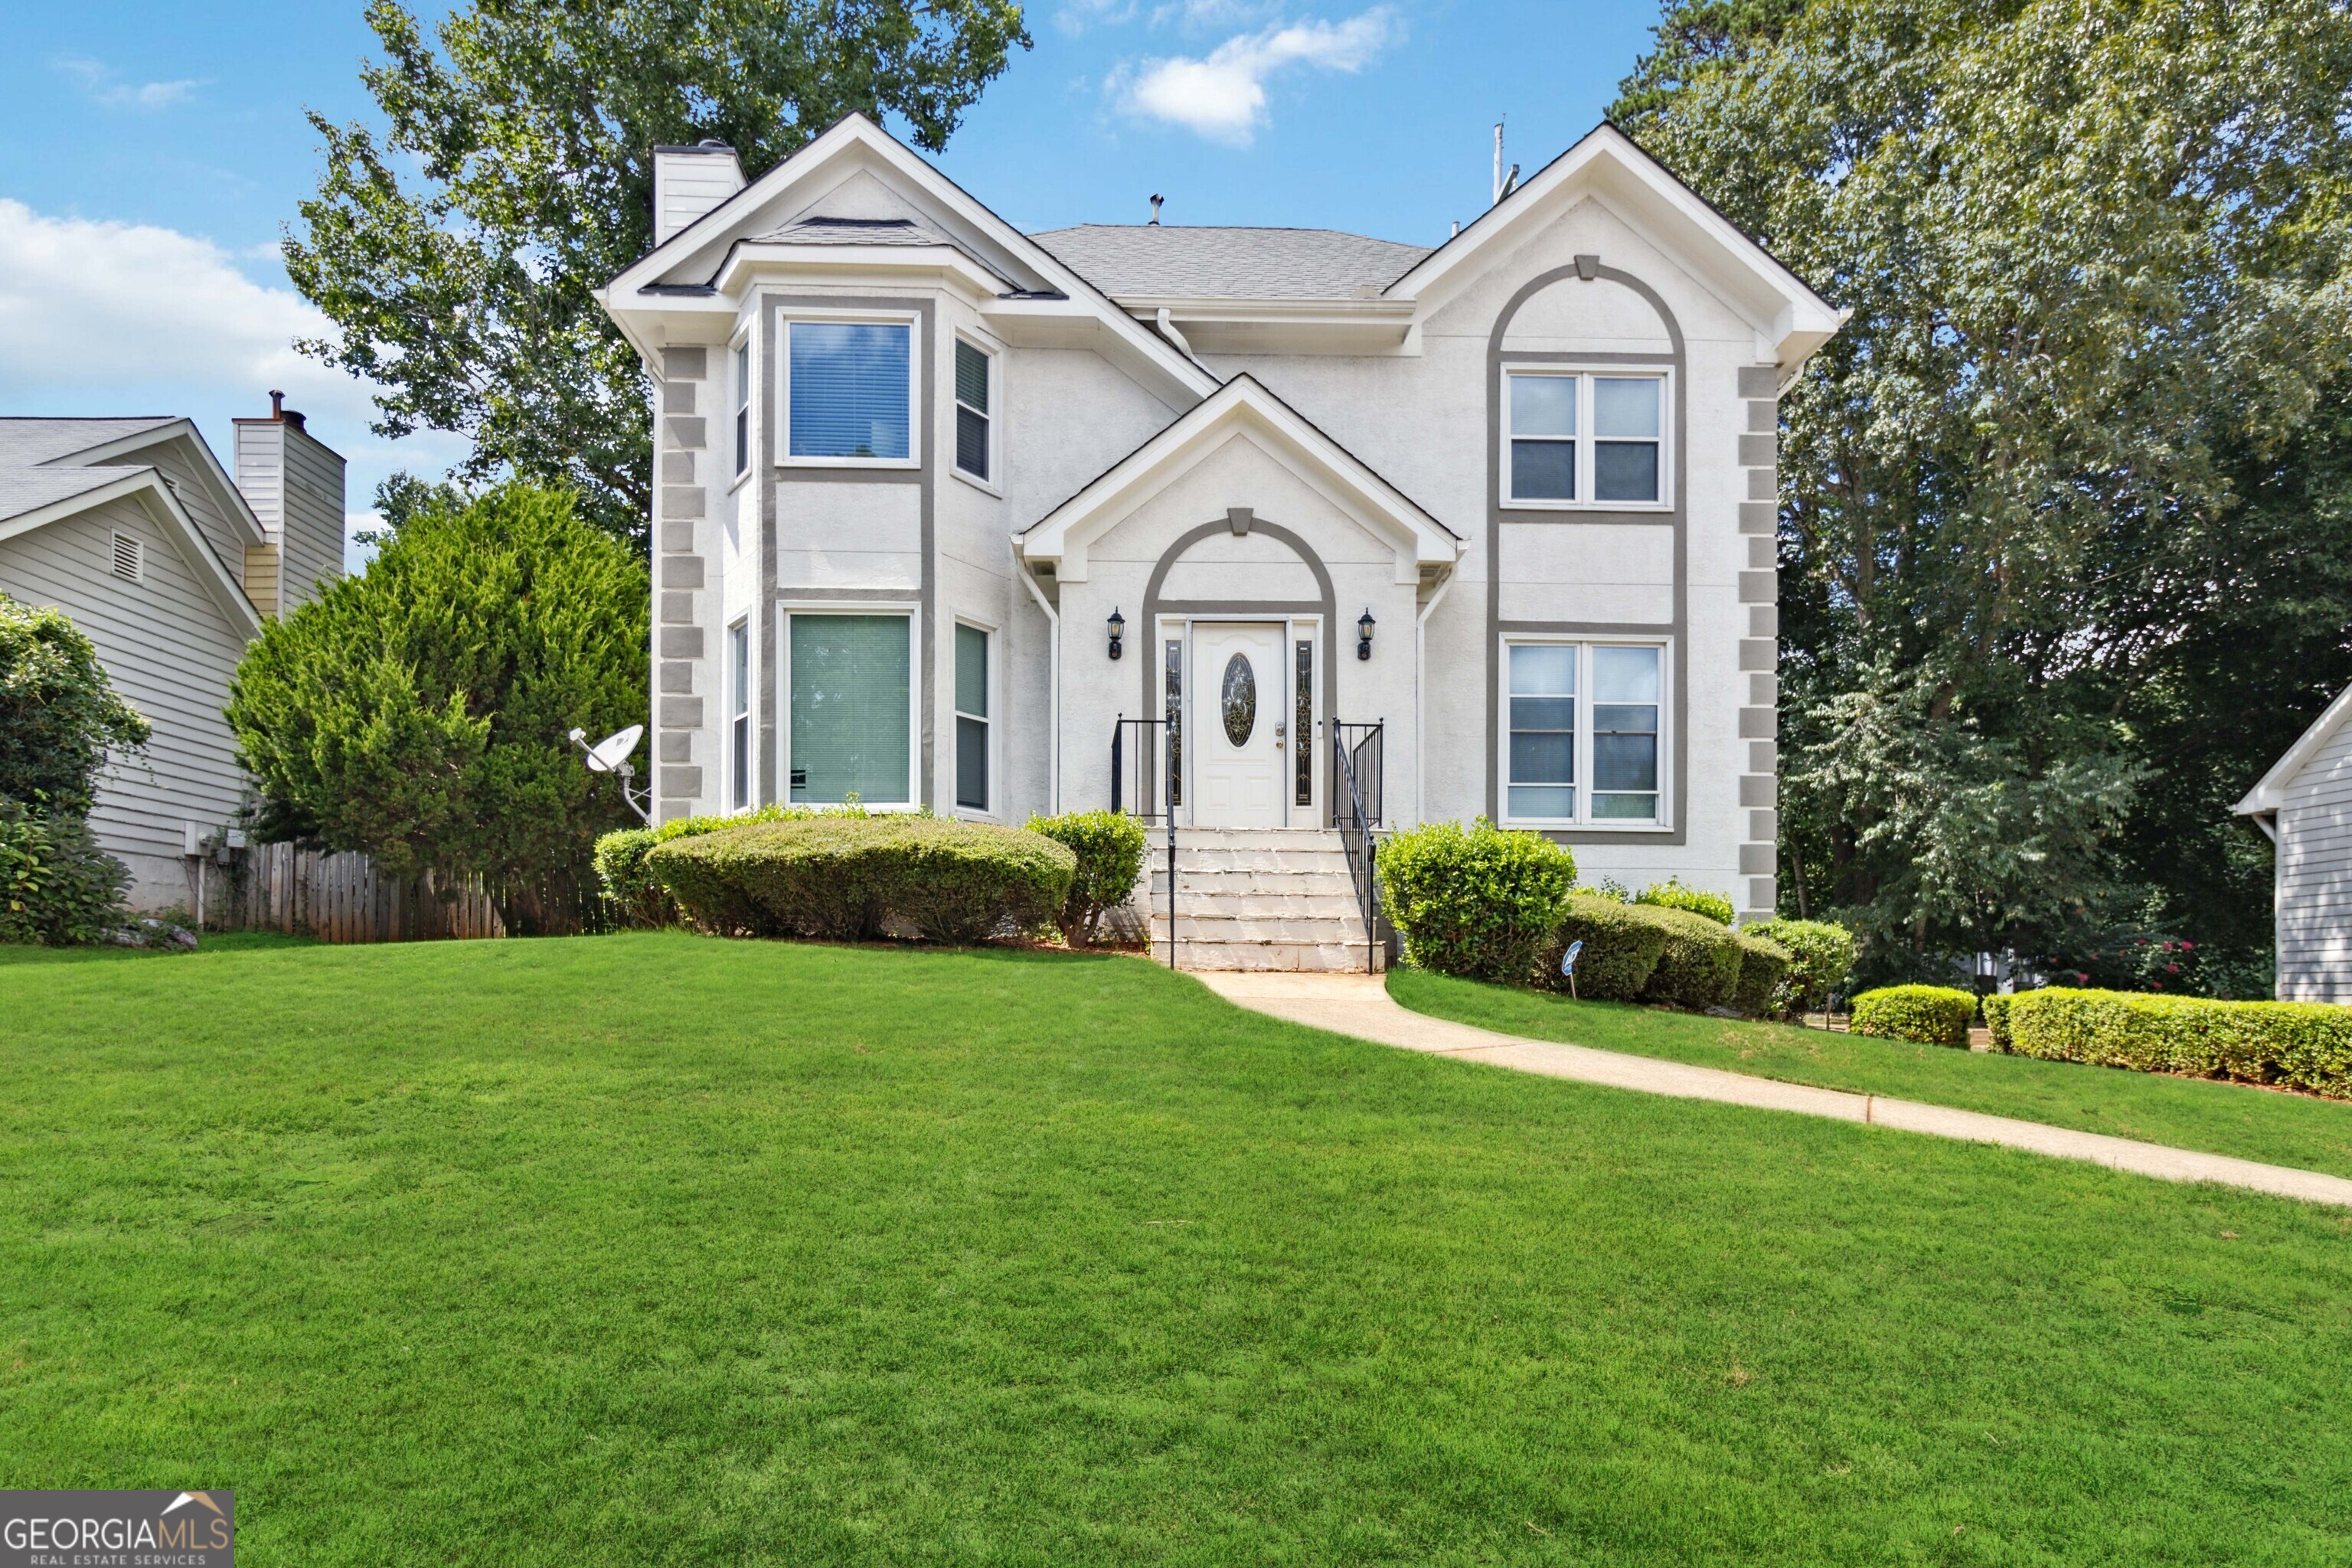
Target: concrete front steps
x=1259, y=899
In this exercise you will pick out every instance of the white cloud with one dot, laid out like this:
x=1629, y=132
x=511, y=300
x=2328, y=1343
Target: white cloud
x=1223, y=97
x=104, y=317
x=99, y=82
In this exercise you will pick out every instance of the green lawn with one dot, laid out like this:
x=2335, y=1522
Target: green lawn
x=647, y=1250
x=2187, y=1113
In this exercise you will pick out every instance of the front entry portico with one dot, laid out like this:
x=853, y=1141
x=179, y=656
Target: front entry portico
x=1240, y=721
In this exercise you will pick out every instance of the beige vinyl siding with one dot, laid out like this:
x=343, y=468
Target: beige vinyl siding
x=170, y=651
x=2315, y=876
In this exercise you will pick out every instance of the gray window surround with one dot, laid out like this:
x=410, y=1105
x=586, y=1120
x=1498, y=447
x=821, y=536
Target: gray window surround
x=1326, y=606
x=1676, y=633
x=771, y=306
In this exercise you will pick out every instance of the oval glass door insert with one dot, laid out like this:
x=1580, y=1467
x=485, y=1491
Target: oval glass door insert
x=1240, y=701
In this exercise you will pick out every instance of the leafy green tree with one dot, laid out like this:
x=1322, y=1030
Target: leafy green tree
x=418, y=711
x=464, y=293
x=2071, y=468
x=60, y=717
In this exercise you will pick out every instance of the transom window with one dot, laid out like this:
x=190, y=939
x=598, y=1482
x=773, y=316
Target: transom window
x=1583, y=438
x=1582, y=732
x=972, y=389
x=850, y=391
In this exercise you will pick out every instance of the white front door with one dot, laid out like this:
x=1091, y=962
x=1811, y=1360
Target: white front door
x=1238, y=738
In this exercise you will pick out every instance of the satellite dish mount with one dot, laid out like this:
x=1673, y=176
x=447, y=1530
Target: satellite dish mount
x=611, y=755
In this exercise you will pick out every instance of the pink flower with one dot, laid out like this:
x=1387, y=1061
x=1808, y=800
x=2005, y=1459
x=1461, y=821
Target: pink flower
x=2172, y=969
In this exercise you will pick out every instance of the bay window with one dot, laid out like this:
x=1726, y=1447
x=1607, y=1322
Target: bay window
x=849, y=392
x=849, y=686
x=1579, y=439
x=1581, y=731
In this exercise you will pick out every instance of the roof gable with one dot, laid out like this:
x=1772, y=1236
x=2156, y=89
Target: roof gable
x=2271, y=792
x=1242, y=408
x=1607, y=163
x=145, y=486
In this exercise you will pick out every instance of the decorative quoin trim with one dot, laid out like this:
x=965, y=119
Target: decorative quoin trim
x=1760, y=592
x=681, y=578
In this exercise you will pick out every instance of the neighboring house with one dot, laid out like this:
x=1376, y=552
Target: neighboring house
x=939, y=504
x=132, y=527
x=2304, y=805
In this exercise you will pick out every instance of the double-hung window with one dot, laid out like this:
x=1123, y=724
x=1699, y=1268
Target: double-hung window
x=744, y=406
x=1582, y=743
x=739, y=723
x=972, y=717
x=973, y=428
x=851, y=731
x=849, y=392
x=1584, y=439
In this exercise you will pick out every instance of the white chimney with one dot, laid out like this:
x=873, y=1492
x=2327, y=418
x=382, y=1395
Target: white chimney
x=689, y=182
x=294, y=483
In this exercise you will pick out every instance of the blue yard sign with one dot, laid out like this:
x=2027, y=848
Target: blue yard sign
x=1568, y=966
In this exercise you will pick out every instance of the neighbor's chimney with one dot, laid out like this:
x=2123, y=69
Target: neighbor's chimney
x=294, y=483
x=690, y=181
x=1155, y=208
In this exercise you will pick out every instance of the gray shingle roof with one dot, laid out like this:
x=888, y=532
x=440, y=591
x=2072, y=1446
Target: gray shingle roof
x=1181, y=261
x=30, y=490
x=26, y=442
x=854, y=231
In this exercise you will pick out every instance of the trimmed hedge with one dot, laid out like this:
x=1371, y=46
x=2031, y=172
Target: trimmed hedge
x=1621, y=946
x=1930, y=1014
x=857, y=878
x=1478, y=901
x=2299, y=1044
x=1700, y=965
x=1996, y=1015
x=1821, y=955
x=1110, y=846
x=1763, y=970
x=1671, y=894
x=636, y=894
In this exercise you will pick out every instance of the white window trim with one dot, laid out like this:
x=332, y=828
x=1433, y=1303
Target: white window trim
x=912, y=320
x=743, y=361
x=743, y=753
x=990, y=485
x=1584, y=438
x=994, y=811
x=1584, y=821
x=913, y=612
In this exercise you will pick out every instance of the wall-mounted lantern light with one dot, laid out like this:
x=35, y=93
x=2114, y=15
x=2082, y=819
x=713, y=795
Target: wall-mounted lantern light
x=1118, y=630
x=1364, y=634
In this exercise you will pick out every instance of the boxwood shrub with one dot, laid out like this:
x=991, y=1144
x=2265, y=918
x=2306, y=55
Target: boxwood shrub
x=1700, y=964
x=2300, y=1045
x=636, y=895
x=1996, y=1011
x=1476, y=901
x=1109, y=848
x=1821, y=955
x=1671, y=894
x=1930, y=1014
x=1763, y=971
x=851, y=877
x=1621, y=946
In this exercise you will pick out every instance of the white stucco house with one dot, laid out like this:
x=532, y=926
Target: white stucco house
x=944, y=507
x=2304, y=805
x=167, y=563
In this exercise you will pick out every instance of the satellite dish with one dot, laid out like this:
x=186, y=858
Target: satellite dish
x=607, y=754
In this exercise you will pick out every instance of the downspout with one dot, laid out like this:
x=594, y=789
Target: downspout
x=1419, y=682
x=1053, y=692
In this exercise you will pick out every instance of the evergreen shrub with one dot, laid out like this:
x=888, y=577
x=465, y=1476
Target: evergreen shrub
x=2299, y=1044
x=1478, y=902
x=1930, y=1014
x=1110, y=846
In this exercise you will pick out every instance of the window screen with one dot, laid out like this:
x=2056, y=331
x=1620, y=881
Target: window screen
x=849, y=389
x=1543, y=731
x=971, y=409
x=1625, y=732
x=971, y=718
x=1625, y=437
x=850, y=710
x=1543, y=437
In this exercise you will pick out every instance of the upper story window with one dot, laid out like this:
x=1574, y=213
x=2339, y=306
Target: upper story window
x=849, y=392
x=974, y=367
x=744, y=406
x=1584, y=439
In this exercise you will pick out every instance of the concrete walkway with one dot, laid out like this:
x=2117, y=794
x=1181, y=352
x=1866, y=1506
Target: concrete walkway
x=1358, y=1004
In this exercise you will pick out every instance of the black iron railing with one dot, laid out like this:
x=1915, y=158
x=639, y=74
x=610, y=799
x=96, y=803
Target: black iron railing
x=1144, y=783
x=1356, y=811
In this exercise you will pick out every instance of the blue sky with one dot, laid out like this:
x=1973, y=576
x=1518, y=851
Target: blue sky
x=152, y=153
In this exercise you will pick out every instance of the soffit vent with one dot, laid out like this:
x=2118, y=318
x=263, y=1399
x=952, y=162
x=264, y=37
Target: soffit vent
x=128, y=554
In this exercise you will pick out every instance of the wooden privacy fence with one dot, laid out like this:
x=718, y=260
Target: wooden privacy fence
x=341, y=897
